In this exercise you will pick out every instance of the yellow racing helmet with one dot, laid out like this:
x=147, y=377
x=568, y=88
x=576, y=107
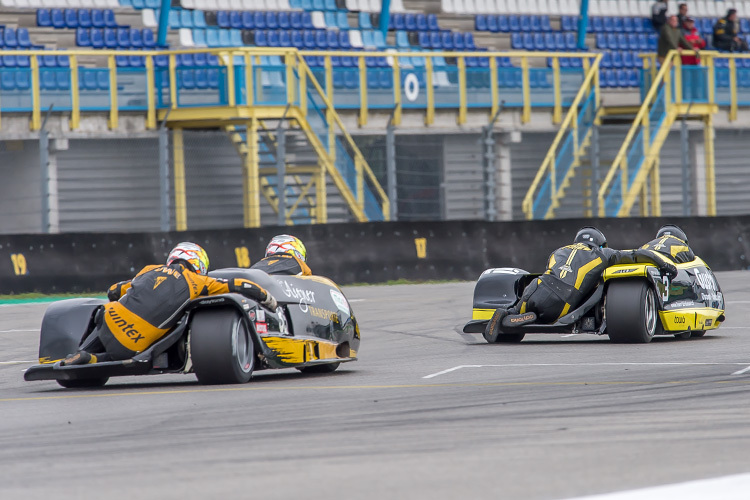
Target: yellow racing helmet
x=193, y=254
x=285, y=243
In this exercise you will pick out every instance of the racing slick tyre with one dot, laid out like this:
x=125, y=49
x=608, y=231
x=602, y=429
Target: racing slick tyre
x=632, y=316
x=83, y=383
x=326, y=368
x=697, y=333
x=221, y=347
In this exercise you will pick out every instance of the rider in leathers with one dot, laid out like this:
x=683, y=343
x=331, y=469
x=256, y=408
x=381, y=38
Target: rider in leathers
x=144, y=309
x=672, y=242
x=572, y=274
x=285, y=254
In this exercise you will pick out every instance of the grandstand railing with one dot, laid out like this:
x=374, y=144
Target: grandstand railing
x=564, y=154
x=673, y=90
x=367, y=81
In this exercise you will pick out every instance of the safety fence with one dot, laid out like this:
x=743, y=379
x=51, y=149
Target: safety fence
x=350, y=253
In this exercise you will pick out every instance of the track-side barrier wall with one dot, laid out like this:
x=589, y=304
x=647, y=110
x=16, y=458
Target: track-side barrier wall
x=349, y=253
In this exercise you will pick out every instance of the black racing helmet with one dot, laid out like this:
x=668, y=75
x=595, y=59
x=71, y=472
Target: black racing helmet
x=672, y=230
x=591, y=236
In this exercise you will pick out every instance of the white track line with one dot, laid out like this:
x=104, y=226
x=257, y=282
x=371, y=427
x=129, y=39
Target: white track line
x=722, y=488
x=526, y=365
x=744, y=370
x=14, y=331
x=17, y=362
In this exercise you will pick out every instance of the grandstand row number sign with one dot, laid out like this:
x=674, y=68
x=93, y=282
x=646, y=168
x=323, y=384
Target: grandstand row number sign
x=411, y=87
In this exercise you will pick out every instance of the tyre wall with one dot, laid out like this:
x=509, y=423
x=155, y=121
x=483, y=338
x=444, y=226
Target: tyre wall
x=348, y=253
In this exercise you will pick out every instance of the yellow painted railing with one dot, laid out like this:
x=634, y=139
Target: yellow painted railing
x=588, y=96
x=637, y=161
x=444, y=85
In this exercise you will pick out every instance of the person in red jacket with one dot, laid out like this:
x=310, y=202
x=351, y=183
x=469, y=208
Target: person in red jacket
x=692, y=36
x=692, y=77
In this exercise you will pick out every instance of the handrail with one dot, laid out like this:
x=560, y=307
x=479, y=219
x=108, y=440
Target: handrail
x=618, y=163
x=359, y=156
x=548, y=165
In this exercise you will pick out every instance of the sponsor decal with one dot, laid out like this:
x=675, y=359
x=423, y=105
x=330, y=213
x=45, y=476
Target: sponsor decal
x=127, y=329
x=212, y=301
x=711, y=297
x=682, y=304
x=283, y=328
x=260, y=315
x=251, y=315
x=504, y=270
x=305, y=297
x=340, y=301
x=706, y=281
x=324, y=314
x=521, y=318
x=708, y=322
x=261, y=327
x=159, y=281
x=624, y=271
x=679, y=319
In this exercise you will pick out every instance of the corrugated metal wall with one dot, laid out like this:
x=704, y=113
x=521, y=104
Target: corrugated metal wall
x=463, y=178
x=20, y=189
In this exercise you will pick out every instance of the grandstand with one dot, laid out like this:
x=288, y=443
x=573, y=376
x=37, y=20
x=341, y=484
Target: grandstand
x=442, y=68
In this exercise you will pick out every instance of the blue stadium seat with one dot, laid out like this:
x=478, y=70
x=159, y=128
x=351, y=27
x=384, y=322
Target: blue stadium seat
x=480, y=22
x=342, y=22
x=410, y=20
x=469, y=43
x=331, y=5
x=23, y=61
x=432, y=22
x=235, y=19
x=458, y=41
x=634, y=78
x=318, y=5
x=332, y=39
x=71, y=18
x=503, y=24
x=567, y=23
x=639, y=25
x=653, y=40
x=297, y=40
x=222, y=18
x=185, y=60
x=102, y=80
x=642, y=42
x=97, y=38
x=609, y=25
x=305, y=4
x=272, y=37
x=622, y=41
x=535, y=24
x=549, y=42
x=402, y=40
x=23, y=80
x=539, y=41
x=212, y=37
x=97, y=18
x=82, y=37
x=225, y=38
x=84, y=18
x=201, y=79
x=187, y=79
x=47, y=80
x=525, y=23
x=447, y=40
x=23, y=39
x=135, y=38
x=617, y=24
x=248, y=20
x=546, y=26
x=136, y=61
x=9, y=61
x=199, y=20
x=611, y=76
x=259, y=20
x=307, y=21
x=513, y=24
x=322, y=42
x=57, y=18
x=559, y=41
x=435, y=40
x=622, y=78
x=570, y=41
x=597, y=24
x=632, y=41
x=616, y=59
x=185, y=18
x=528, y=41
x=364, y=21
x=9, y=38
x=199, y=59
x=285, y=38
x=421, y=22
x=295, y=20
x=396, y=22
x=606, y=61
x=344, y=40
x=627, y=59
x=309, y=39
x=272, y=21
x=601, y=41
x=48, y=61
x=174, y=20
x=109, y=19
x=199, y=37
x=147, y=35
x=283, y=21
x=63, y=61
x=43, y=18
x=235, y=38
x=516, y=41
x=628, y=25
x=491, y=24
x=611, y=40
x=329, y=18
x=7, y=80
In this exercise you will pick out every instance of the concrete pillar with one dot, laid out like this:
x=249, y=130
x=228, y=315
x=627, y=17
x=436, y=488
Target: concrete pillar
x=503, y=177
x=699, y=206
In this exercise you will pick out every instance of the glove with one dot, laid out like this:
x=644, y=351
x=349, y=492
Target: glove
x=668, y=269
x=269, y=302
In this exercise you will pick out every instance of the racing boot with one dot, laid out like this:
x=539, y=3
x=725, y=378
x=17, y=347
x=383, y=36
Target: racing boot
x=79, y=358
x=515, y=320
x=492, y=331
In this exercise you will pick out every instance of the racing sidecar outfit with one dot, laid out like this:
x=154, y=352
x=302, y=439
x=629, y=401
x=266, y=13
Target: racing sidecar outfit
x=144, y=309
x=672, y=247
x=572, y=274
x=283, y=263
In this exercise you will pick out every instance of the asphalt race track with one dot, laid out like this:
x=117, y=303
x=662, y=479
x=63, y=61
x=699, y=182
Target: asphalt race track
x=422, y=414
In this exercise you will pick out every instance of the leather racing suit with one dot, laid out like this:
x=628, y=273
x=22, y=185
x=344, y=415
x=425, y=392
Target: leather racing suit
x=144, y=309
x=670, y=246
x=572, y=274
x=283, y=263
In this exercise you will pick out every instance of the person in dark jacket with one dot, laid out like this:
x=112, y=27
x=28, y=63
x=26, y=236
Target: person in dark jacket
x=671, y=38
x=726, y=32
x=573, y=272
x=659, y=14
x=285, y=254
x=671, y=242
x=142, y=310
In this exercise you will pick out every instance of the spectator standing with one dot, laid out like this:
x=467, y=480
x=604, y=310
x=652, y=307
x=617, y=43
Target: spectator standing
x=693, y=86
x=726, y=32
x=694, y=38
x=659, y=15
x=671, y=38
x=682, y=15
